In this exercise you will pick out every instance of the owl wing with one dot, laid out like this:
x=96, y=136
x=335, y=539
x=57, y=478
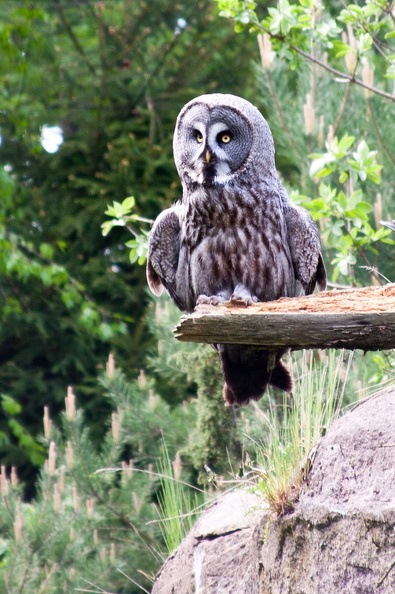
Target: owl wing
x=304, y=243
x=163, y=254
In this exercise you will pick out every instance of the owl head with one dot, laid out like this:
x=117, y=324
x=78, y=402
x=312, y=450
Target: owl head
x=219, y=138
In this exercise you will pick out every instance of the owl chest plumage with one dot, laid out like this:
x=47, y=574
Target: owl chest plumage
x=234, y=236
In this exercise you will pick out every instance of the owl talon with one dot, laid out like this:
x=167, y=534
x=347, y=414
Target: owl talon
x=215, y=299
x=237, y=300
x=212, y=300
x=202, y=300
x=242, y=295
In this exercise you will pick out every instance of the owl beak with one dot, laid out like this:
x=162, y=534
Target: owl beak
x=207, y=156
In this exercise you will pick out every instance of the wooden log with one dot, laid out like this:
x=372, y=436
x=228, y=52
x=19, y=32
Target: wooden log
x=350, y=319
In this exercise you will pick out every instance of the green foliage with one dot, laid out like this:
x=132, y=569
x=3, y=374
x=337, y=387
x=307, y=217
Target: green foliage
x=185, y=369
x=122, y=216
x=113, y=76
x=384, y=372
x=348, y=228
x=94, y=522
x=215, y=440
x=167, y=360
x=241, y=11
x=296, y=28
x=18, y=442
x=119, y=212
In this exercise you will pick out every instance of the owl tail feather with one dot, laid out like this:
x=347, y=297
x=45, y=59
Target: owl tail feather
x=247, y=373
x=281, y=378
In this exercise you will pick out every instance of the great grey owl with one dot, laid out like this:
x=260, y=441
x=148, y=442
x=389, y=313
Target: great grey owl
x=234, y=235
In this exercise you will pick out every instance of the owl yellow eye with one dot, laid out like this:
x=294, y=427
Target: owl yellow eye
x=225, y=137
x=198, y=136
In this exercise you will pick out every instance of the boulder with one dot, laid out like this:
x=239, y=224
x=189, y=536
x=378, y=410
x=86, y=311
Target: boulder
x=218, y=555
x=339, y=539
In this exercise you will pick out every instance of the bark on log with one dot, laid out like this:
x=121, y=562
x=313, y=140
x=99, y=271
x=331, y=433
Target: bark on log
x=351, y=319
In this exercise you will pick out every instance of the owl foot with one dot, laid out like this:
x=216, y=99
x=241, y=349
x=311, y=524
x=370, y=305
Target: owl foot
x=243, y=295
x=213, y=299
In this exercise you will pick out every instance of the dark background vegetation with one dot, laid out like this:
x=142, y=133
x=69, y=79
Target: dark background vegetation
x=113, y=75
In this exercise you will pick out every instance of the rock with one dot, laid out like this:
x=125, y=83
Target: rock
x=218, y=554
x=340, y=538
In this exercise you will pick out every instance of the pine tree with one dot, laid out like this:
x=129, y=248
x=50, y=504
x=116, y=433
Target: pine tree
x=94, y=522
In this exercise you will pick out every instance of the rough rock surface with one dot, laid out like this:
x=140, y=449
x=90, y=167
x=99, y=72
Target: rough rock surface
x=218, y=555
x=340, y=539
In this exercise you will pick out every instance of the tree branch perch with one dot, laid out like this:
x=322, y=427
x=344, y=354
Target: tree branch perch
x=351, y=319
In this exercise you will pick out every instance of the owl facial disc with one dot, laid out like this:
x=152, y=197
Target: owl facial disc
x=213, y=143
x=210, y=163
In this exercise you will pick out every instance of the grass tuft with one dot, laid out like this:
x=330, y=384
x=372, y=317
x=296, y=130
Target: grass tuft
x=180, y=504
x=295, y=427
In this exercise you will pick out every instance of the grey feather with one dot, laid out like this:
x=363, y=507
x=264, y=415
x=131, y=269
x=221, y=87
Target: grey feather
x=163, y=255
x=235, y=234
